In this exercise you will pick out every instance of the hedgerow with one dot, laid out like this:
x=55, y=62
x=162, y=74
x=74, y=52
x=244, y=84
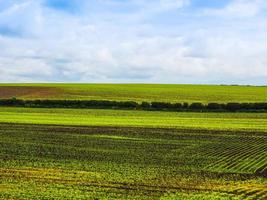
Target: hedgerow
x=106, y=104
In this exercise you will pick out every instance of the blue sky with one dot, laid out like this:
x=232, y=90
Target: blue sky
x=147, y=41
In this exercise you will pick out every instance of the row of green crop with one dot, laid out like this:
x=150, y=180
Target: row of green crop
x=106, y=104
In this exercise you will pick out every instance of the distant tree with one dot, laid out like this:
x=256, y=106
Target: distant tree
x=185, y=105
x=145, y=105
x=214, y=106
x=161, y=105
x=196, y=106
x=233, y=106
x=177, y=106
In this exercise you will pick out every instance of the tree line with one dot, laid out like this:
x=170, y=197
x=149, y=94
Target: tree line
x=107, y=104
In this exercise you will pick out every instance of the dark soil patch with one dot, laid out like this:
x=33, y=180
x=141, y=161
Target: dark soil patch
x=262, y=171
x=27, y=92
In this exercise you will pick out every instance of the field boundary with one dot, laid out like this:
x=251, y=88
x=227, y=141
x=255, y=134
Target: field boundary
x=132, y=105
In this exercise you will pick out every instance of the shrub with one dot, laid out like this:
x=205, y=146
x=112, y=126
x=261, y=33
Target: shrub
x=196, y=106
x=214, y=106
x=260, y=106
x=161, y=105
x=177, y=106
x=246, y=106
x=233, y=106
x=185, y=105
x=145, y=105
x=128, y=104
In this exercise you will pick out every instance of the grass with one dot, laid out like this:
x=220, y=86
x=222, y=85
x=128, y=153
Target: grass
x=157, y=119
x=136, y=92
x=71, y=162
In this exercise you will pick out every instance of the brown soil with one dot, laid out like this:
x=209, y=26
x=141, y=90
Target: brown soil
x=27, y=92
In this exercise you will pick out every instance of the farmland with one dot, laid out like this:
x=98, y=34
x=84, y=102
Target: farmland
x=66, y=162
x=66, y=153
x=120, y=154
x=133, y=118
x=136, y=92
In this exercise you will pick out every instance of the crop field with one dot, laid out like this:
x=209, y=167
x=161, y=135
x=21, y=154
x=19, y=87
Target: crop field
x=136, y=118
x=67, y=153
x=136, y=92
x=66, y=162
x=127, y=154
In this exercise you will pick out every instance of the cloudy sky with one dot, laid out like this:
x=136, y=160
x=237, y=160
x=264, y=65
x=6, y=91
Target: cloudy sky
x=147, y=41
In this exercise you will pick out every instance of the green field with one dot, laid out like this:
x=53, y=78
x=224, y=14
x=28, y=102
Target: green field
x=136, y=118
x=71, y=162
x=120, y=154
x=136, y=92
x=48, y=153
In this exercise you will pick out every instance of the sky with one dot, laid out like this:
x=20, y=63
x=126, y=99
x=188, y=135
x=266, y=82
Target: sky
x=134, y=41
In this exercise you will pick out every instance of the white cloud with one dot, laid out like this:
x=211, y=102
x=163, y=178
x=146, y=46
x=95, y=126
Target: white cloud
x=23, y=18
x=155, y=6
x=239, y=9
x=98, y=47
